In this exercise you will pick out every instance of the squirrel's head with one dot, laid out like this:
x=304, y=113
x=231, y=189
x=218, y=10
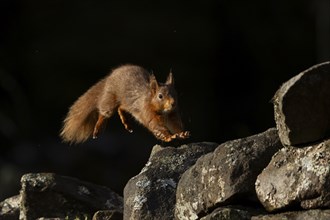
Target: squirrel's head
x=164, y=97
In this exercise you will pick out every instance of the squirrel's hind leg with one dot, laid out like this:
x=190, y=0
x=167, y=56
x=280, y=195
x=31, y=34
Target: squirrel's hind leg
x=98, y=125
x=106, y=107
x=123, y=119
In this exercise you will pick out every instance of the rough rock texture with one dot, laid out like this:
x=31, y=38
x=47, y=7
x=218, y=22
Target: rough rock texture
x=48, y=195
x=227, y=174
x=315, y=214
x=151, y=194
x=232, y=213
x=296, y=176
x=302, y=106
x=9, y=209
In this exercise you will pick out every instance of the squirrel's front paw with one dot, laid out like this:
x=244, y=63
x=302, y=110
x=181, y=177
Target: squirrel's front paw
x=161, y=136
x=184, y=134
x=181, y=135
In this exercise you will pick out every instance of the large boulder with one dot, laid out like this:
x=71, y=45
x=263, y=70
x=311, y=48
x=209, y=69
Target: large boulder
x=296, y=177
x=151, y=194
x=302, y=106
x=226, y=175
x=47, y=195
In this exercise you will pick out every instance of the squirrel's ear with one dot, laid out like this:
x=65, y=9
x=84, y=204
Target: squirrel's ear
x=170, y=80
x=153, y=83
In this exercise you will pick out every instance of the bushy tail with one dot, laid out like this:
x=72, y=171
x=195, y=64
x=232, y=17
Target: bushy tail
x=79, y=123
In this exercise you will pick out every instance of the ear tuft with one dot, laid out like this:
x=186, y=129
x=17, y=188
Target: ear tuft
x=170, y=80
x=153, y=83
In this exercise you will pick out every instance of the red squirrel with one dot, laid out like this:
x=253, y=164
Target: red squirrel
x=127, y=89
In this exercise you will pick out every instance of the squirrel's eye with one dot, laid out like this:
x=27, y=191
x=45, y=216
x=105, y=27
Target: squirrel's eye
x=160, y=96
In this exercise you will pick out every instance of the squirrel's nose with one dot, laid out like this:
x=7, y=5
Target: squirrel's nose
x=170, y=104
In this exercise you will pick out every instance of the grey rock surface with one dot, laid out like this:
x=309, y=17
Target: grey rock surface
x=302, y=106
x=151, y=194
x=296, y=176
x=316, y=214
x=225, y=175
x=49, y=195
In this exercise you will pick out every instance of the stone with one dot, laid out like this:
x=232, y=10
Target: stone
x=316, y=214
x=296, y=177
x=302, y=106
x=151, y=194
x=9, y=208
x=47, y=195
x=226, y=175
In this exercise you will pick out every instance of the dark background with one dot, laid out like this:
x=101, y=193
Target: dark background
x=228, y=59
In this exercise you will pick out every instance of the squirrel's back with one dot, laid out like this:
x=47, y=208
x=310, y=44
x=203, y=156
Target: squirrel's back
x=127, y=80
x=130, y=86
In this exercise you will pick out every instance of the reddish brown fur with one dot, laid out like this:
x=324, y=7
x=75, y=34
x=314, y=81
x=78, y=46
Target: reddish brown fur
x=128, y=89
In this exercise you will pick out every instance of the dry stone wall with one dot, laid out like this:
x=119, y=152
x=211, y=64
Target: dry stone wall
x=282, y=173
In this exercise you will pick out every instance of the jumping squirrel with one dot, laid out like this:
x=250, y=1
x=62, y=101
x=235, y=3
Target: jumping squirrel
x=127, y=89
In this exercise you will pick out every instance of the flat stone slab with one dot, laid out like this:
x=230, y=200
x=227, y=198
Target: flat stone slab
x=302, y=106
x=48, y=195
